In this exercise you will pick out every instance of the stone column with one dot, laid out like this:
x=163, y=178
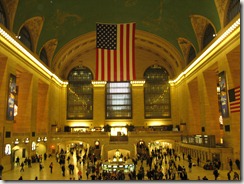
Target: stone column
x=98, y=103
x=138, y=103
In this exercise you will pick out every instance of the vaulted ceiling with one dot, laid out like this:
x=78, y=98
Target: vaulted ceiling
x=66, y=28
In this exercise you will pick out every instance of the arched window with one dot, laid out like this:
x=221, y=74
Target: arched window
x=233, y=9
x=208, y=35
x=25, y=38
x=191, y=55
x=118, y=100
x=43, y=56
x=3, y=19
x=80, y=94
x=156, y=93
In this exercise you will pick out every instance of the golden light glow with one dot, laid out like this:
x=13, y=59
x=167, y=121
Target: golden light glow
x=35, y=63
x=154, y=123
x=74, y=123
x=230, y=33
x=137, y=82
x=119, y=123
x=99, y=83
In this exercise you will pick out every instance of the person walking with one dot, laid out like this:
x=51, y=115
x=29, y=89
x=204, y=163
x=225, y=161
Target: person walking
x=20, y=178
x=79, y=175
x=228, y=175
x=51, y=167
x=215, y=173
x=190, y=166
x=22, y=166
x=17, y=161
x=87, y=173
x=40, y=166
x=237, y=163
x=63, y=170
x=198, y=161
x=236, y=176
x=1, y=170
x=230, y=164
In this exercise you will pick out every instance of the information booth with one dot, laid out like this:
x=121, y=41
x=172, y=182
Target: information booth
x=116, y=166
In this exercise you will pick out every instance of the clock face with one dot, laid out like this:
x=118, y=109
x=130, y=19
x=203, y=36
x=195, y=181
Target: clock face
x=8, y=149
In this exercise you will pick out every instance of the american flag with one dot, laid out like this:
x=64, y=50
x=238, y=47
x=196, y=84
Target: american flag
x=115, y=52
x=234, y=98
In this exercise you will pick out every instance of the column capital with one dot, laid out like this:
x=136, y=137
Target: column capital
x=137, y=82
x=99, y=83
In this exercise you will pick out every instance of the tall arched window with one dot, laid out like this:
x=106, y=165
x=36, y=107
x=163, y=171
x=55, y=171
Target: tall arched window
x=118, y=100
x=25, y=38
x=191, y=55
x=208, y=35
x=80, y=94
x=3, y=19
x=43, y=56
x=233, y=9
x=156, y=93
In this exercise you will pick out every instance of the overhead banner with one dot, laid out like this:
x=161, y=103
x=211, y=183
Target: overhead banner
x=223, y=95
x=11, y=104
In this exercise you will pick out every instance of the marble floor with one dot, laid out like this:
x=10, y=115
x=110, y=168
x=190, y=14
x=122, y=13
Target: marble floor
x=30, y=173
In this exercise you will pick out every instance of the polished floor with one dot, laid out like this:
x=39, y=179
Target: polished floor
x=30, y=173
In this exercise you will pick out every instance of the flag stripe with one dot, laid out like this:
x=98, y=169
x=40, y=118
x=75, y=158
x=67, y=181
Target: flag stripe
x=115, y=61
x=115, y=67
x=127, y=51
x=102, y=64
x=133, y=75
x=97, y=63
x=234, y=98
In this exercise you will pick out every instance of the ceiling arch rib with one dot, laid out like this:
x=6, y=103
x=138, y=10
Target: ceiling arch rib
x=222, y=10
x=11, y=7
x=66, y=55
x=82, y=51
x=50, y=47
x=185, y=46
x=34, y=26
x=156, y=56
x=163, y=48
x=199, y=24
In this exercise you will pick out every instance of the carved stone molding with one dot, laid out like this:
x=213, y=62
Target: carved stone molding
x=11, y=7
x=34, y=25
x=50, y=47
x=199, y=24
x=185, y=46
x=221, y=6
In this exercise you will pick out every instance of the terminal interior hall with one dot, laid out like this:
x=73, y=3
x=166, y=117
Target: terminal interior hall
x=120, y=89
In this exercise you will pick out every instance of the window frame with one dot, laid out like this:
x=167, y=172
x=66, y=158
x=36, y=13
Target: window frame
x=150, y=83
x=25, y=38
x=108, y=105
x=86, y=83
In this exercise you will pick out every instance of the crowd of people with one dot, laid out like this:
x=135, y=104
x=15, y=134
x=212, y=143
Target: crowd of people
x=154, y=164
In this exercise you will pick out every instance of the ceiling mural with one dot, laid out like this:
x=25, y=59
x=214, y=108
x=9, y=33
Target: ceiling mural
x=65, y=20
x=67, y=28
